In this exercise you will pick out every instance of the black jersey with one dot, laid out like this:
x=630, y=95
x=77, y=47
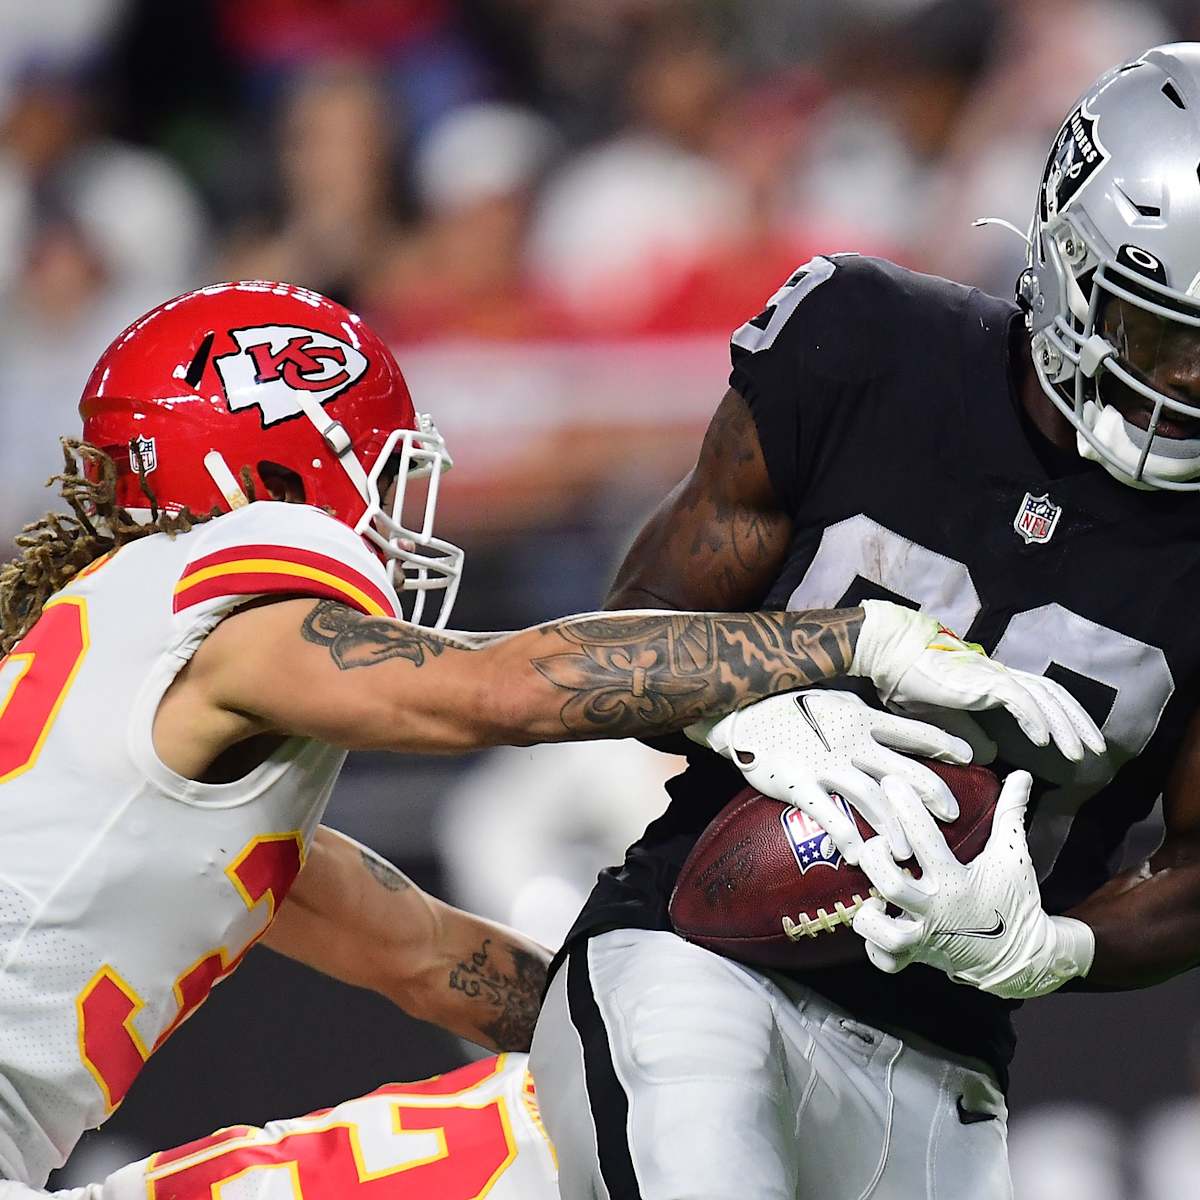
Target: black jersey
x=887, y=409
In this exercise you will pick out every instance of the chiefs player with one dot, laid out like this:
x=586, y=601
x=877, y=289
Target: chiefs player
x=473, y=1132
x=189, y=660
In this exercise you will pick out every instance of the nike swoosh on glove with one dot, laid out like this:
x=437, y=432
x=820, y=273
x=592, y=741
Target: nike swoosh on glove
x=981, y=922
x=801, y=746
x=915, y=663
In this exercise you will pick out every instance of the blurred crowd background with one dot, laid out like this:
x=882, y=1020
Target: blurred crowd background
x=556, y=210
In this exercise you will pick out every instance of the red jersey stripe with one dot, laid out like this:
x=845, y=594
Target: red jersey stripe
x=265, y=569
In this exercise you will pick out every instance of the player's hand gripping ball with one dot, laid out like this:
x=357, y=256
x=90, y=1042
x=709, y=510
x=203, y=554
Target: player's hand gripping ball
x=766, y=885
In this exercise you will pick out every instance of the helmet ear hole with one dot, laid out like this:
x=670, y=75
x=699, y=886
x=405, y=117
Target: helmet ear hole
x=282, y=482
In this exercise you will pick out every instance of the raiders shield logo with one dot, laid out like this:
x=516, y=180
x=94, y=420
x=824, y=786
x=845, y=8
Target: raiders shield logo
x=1036, y=518
x=276, y=363
x=1075, y=157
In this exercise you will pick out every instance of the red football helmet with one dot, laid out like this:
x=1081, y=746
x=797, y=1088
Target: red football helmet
x=248, y=374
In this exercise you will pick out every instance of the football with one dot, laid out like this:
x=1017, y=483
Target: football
x=766, y=885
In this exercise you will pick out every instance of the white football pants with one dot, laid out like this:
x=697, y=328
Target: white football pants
x=665, y=1072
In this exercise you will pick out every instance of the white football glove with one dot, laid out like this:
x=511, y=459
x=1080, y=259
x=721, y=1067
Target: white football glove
x=915, y=663
x=800, y=746
x=982, y=922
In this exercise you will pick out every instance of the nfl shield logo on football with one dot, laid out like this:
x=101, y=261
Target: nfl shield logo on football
x=1036, y=518
x=143, y=455
x=811, y=845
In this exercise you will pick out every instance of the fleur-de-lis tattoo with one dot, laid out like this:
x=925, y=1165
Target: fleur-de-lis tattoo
x=644, y=671
x=637, y=676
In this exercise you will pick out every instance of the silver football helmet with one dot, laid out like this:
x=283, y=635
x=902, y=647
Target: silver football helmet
x=1112, y=286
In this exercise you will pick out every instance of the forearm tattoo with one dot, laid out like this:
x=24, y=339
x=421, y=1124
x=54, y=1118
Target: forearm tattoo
x=634, y=674
x=509, y=1002
x=382, y=871
x=630, y=674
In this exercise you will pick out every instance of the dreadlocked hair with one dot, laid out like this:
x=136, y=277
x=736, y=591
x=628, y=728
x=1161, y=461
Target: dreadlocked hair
x=54, y=549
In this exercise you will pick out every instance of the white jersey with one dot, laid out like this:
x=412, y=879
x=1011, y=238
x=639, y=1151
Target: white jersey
x=127, y=891
x=474, y=1132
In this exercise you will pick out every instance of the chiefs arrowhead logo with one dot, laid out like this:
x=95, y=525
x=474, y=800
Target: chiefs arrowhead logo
x=275, y=363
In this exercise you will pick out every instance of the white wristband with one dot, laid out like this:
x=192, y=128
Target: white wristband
x=890, y=640
x=1067, y=954
x=1076, y=948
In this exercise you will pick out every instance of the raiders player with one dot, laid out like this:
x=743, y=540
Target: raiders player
x=1027, y=471
x=187, y=666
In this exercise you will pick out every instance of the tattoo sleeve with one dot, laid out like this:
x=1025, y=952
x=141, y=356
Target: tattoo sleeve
x=508, y=994
x=631, y=674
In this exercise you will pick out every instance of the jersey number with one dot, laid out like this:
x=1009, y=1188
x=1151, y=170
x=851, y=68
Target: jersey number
x=759, y=333
x=109, y=1043
x=408, y=1143
x=35, y=679
x=1133, y=677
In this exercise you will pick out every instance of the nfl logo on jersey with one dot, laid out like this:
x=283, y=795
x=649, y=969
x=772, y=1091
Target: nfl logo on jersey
x=811, y=845
x=1036, y=518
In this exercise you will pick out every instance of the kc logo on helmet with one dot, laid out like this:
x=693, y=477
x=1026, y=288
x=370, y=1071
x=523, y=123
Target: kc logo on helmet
x=275, y=364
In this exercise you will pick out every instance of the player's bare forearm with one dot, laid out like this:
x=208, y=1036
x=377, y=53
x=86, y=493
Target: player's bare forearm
x=1146, y=921
x=356, y=917
x=352, y=915
x=605, y=675
x=717, y=541
x=478, y=979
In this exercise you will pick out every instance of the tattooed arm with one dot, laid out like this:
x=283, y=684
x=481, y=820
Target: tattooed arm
x=717, y=541
x=319, y=669
x=353, y=915
x=322, y=670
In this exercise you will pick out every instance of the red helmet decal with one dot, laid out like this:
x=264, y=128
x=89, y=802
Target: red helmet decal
x=274, y=362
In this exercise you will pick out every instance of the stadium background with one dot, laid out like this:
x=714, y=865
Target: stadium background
x=556, y=210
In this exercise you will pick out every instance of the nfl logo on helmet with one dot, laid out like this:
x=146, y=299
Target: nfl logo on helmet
x=143, y=454
x=1036, y=518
